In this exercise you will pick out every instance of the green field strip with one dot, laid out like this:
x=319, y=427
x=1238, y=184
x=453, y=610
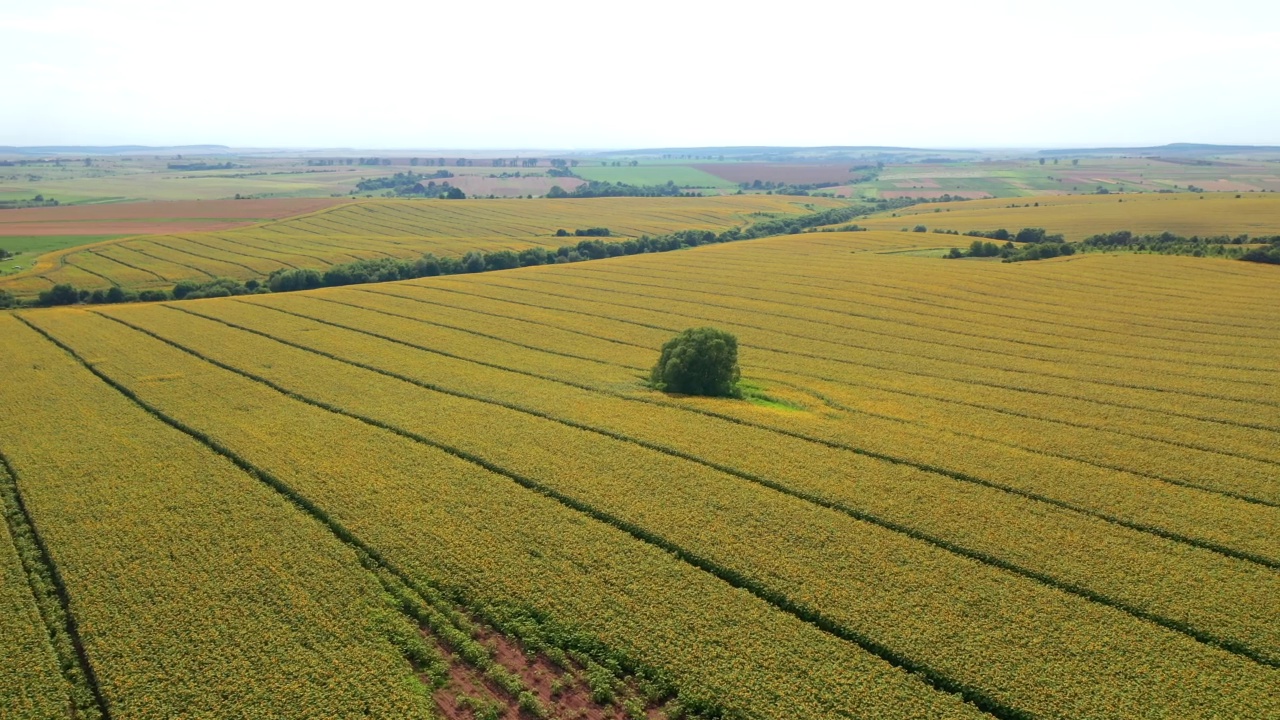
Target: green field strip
x=867, y=303
x=1153, y=512
x=1052, y=427
x=206, y=254
x=290, y=626
x=167, y=268
x=608, y=413
x=584, y=568
x=641, y=489
x=43, y=672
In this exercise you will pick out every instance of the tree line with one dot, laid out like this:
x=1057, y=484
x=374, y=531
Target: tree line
x=591, y=247
x=1037, y=244
x=602, y=188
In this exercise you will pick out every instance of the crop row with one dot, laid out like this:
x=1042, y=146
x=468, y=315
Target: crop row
x=31, y=682
x=998, y=635
x=1039, y=295
x=1189, y=586
x=1204, y=465
x=1053, y=425
x=776, y=333
x=452, y=522
x=1230, y=525
x=1082, y=215
x=196, y=590
x=968, y=325
x=911, y=350
x=1230, y=336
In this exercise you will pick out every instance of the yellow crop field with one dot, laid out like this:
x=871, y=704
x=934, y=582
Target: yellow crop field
x=162, y=547
x=386, y=228
x=31, y=684
x=1079, y=216
x=952, y=489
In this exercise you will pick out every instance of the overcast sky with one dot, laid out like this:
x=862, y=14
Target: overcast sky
x=597, y=74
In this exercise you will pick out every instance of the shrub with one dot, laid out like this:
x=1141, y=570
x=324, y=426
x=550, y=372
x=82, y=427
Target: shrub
x=59, y=295
x=699, y=361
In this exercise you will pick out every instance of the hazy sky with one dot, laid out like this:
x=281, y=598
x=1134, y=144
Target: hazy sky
x=569, y=74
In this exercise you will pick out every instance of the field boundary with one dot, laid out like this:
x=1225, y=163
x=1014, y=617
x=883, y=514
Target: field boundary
x=23, y=529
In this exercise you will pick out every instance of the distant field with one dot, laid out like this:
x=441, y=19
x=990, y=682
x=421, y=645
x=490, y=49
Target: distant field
x=1045, y=488
x=152, y=217
x=1027, y=177
x=1079, y=216
x=386, y=228
x=682, y=175
x=790, y=173
x=481, y=184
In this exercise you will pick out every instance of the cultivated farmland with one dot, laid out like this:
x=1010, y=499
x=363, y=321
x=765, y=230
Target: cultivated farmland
x=954, y=489
x=381, y=229
x=1079, y=216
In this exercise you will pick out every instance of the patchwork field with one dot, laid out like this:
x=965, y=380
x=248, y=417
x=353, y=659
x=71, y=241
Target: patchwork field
x=955, y=489
x=1079, y=216
x=383, y=228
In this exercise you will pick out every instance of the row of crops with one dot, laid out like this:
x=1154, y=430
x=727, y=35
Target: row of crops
x=386, y=228
x=1079, y=216
x=988, y=476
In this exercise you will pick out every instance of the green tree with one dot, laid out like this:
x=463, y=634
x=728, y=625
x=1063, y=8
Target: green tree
x=699, y=361
x=59, y=295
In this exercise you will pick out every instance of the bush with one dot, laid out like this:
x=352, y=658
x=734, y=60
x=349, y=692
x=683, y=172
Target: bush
x=699, y=361
x=59, y=295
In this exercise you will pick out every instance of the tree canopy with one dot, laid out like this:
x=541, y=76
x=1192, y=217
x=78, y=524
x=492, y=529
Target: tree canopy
x=699, y=361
